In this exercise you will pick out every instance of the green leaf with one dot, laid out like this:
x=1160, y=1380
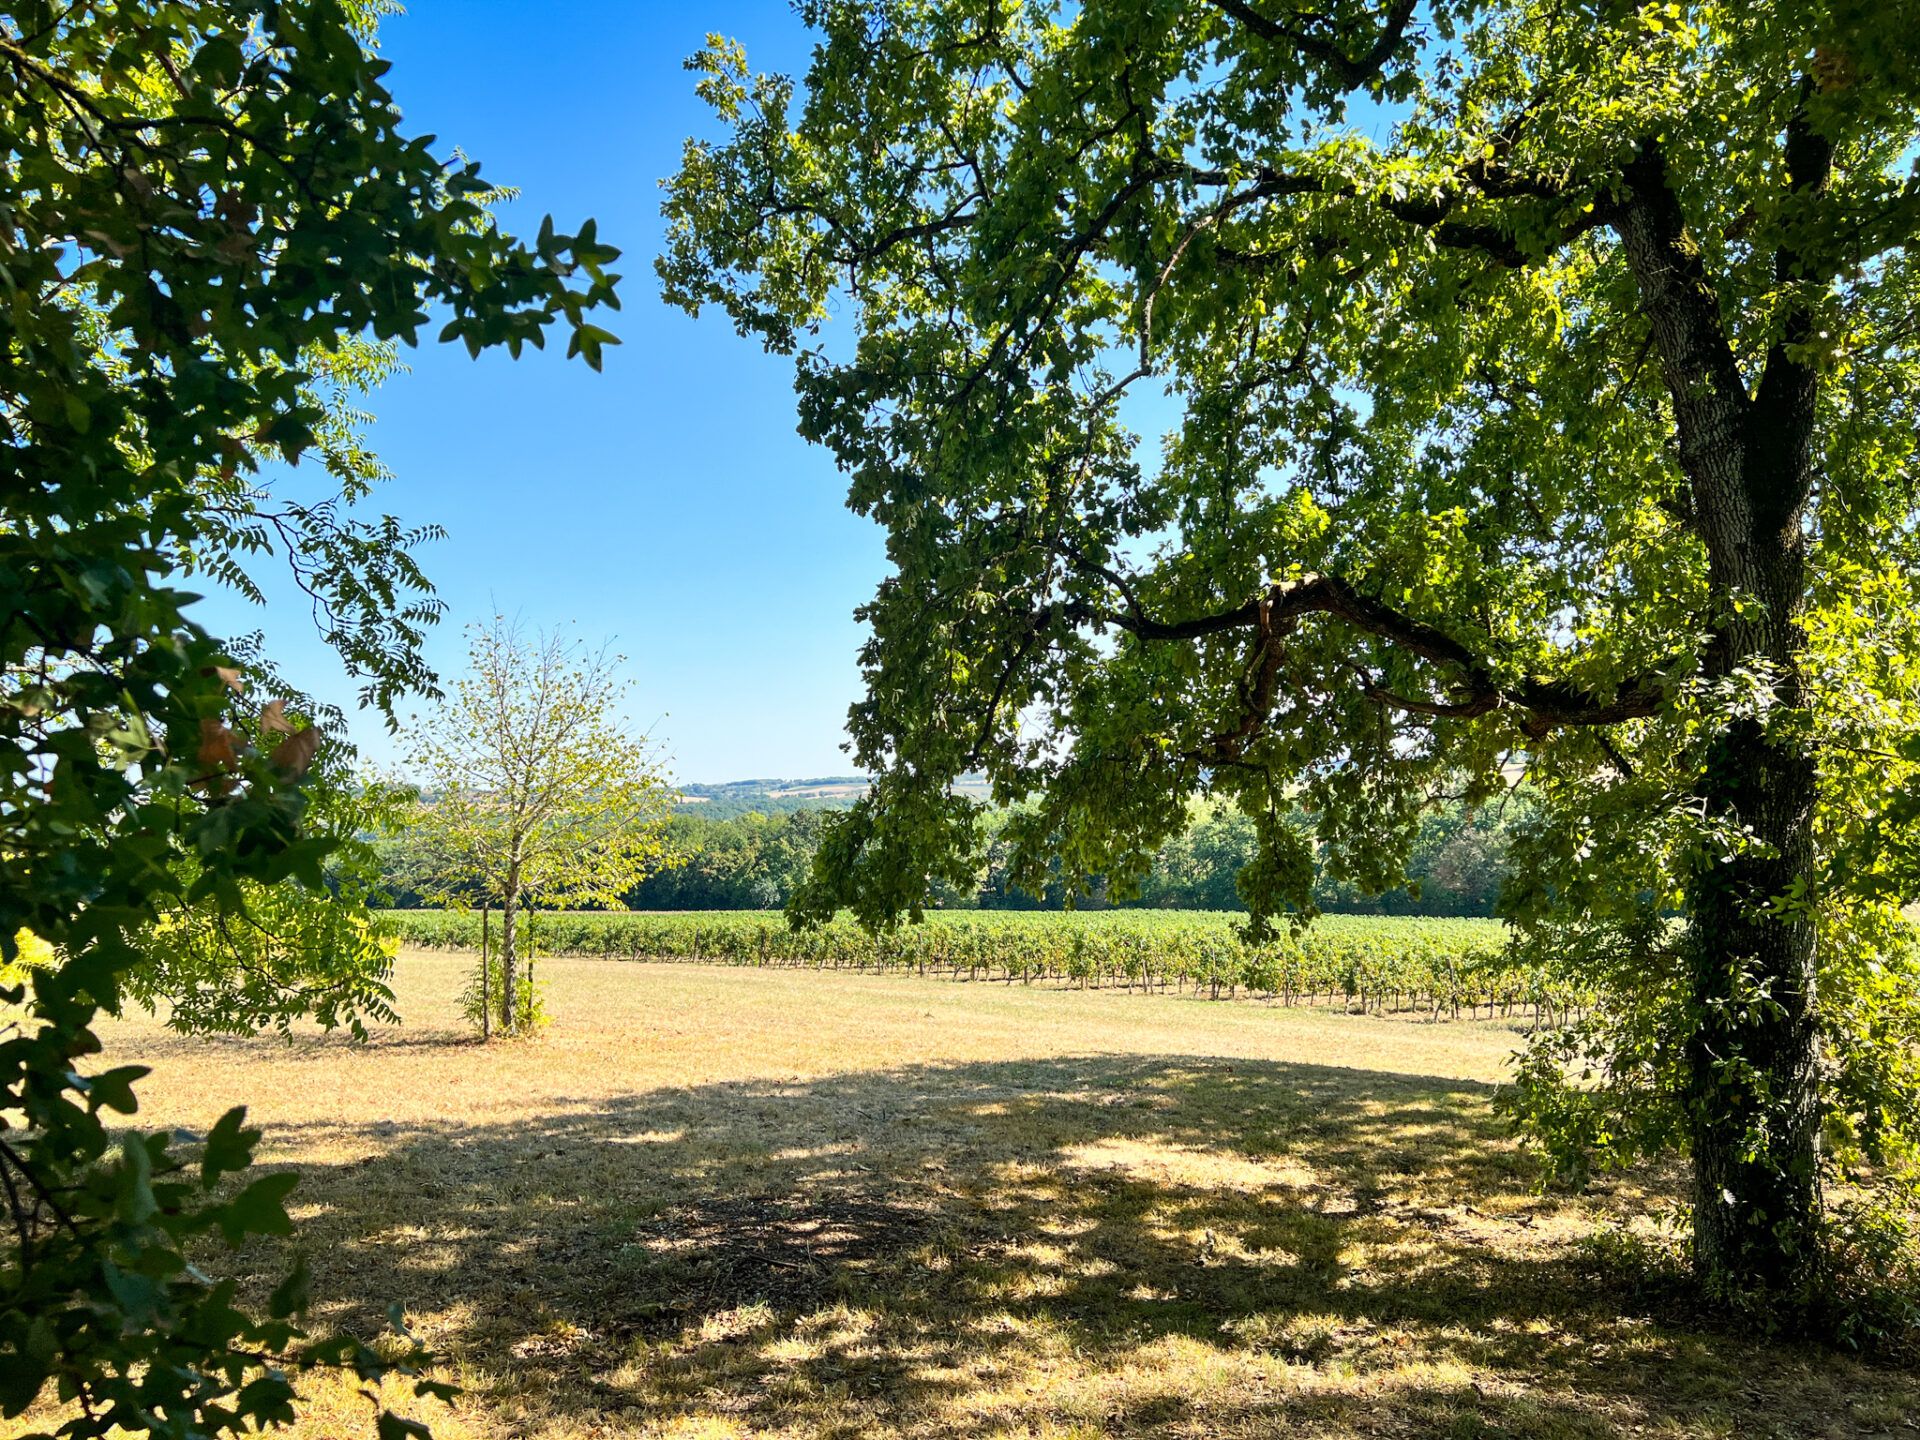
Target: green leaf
x=260, y=1209
x=113, y=1089
x=28, y=1366
x=229, y=1147
x=218, y=62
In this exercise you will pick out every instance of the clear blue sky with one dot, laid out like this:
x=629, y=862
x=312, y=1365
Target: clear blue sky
x=666, y=503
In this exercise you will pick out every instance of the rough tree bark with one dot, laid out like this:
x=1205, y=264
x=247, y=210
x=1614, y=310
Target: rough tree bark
x=1753, y=1054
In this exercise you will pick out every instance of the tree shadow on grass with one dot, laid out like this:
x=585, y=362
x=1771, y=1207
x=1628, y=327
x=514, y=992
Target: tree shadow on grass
x=1113, y=1245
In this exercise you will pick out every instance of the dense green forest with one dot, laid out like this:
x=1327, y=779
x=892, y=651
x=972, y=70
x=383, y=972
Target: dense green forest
x=752, y=860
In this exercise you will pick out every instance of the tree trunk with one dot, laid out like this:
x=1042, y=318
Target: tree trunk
x=507, y=975
x=1753, y=1055
x=1752, y=1048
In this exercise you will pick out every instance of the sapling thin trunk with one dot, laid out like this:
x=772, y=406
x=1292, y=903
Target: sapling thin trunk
x=508, y=971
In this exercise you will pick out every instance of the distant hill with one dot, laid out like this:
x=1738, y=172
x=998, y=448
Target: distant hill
x=781, y=797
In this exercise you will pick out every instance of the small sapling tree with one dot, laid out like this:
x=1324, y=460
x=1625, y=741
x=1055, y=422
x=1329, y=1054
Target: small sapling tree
x=533, y=790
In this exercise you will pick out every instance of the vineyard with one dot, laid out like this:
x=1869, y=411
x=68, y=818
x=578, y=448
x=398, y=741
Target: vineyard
x=1431, y=967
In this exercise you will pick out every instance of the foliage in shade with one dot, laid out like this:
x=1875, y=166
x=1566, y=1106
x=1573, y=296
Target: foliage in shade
x=212, y=233
x=292, y=952
x=746, y=862
x=1560, y=417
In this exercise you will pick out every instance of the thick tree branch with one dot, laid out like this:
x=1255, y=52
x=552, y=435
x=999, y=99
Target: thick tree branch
x=1710, y=402
x=1782, y=419
x=1353, y=71
x=956, y=218
x=1438, y=214
x=1547, y=704
x=1259, y=686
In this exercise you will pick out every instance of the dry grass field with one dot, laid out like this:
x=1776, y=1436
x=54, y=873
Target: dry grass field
x=715, y=1203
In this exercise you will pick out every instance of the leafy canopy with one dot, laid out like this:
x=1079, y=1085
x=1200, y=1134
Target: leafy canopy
x=533, y=788
x=212, y=230
x=1434, y=304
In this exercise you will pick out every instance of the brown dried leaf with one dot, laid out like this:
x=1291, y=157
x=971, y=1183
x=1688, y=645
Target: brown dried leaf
x=236, y=682
x=1833, y=69
x=216, y=745
x=295, y=753
x=273, y=719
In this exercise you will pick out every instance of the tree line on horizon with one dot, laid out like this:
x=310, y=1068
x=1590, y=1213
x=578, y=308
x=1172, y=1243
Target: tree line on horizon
x=755, y=861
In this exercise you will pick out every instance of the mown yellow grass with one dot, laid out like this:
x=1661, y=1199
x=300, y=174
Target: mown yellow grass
x=724, y=1203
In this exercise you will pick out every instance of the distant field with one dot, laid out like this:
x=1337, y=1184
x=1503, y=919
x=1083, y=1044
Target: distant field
x=827, y=792
x=1427, y=967
x=718, y=1202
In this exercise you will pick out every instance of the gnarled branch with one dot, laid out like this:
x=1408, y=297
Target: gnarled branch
x=1353, y=71
x=1545, y=704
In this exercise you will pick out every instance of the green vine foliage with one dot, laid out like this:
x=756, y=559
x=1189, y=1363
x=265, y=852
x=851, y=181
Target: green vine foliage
x=1537, y=385
x=212, y=231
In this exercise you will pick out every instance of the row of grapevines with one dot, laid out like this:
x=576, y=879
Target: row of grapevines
x=1380, y=963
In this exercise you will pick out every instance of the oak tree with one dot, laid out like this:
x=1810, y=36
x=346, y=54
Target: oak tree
x=1538, y=386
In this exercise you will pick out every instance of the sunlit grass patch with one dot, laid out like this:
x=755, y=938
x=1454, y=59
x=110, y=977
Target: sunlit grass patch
x=726, y=1203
